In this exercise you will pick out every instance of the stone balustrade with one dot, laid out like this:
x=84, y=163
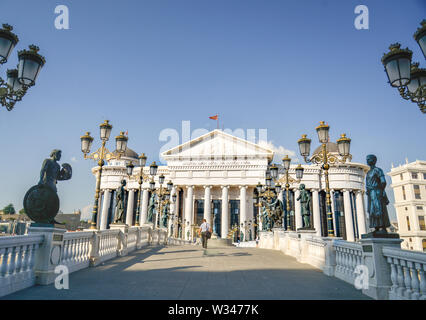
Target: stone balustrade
x=387, y=271
x=17, y=261
x=348, y=257
x=31, y=259
x=407, y=274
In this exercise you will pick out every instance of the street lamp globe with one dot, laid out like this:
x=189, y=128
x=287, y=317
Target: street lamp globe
x=274, y=171
x=30, y=64
x=12, y=80
x=142, y=160
x=129, y=168
x=121, y=142
x=86, y=143
x=153, y=169
x=268, y=182
x=286, y=162
x=105, y=129
x=161, y=179
x=299, y=172
x=304, y=146
x=8, y=41
x=169, y=186
x=174, y=197
x=322, y=131
x=420, y=37
x=397, y=64
x=152, y=185
x=277, y=188
x=343, y=145
x=418, y=79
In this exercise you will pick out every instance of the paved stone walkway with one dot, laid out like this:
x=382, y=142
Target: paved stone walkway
x=189, y=272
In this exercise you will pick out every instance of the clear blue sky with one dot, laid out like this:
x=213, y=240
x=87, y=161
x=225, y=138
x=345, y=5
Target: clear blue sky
x=148, y=65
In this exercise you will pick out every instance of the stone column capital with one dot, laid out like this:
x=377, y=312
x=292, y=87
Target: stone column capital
x=224, y=187
x=243, y=187
x=207, y=187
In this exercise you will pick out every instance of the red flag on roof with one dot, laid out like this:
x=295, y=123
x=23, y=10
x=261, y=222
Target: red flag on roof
x=216, y=117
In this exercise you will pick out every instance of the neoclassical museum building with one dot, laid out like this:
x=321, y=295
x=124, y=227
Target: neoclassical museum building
x=214, y=177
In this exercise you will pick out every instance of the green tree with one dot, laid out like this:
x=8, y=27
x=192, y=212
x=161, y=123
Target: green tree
x=9, y=209
x=22, y=211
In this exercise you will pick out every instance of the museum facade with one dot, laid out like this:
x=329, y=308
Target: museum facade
x=214, y=177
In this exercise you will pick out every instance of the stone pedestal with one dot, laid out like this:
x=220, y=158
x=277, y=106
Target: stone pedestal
x=122, y=243
x=49, y=254
x=278, y=233
x=266, y=240
x=379, y=273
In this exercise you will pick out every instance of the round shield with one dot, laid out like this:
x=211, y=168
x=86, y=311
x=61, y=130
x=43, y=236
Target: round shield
x=66, y=171
x=41, y=204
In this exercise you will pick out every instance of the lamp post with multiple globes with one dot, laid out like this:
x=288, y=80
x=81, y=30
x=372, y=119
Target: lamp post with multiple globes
x=407, y=77
x=100, y=155
x=21, y=79
x=325, y=158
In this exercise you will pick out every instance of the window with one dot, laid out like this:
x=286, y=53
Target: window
x=406, y=208
x=419, y=208
x=424, y=245
x=403, y=193
x=422, y=223
x=408, y=223
x=417, y=191
x=424, y=176
x=414, y=175
x=401, y=176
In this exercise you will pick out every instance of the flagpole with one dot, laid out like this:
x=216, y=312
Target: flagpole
x=217, y=121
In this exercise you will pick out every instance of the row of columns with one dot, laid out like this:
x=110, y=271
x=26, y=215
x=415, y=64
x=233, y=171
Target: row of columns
x=188, y=213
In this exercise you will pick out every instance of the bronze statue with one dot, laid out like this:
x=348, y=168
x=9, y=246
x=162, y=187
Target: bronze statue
x=375, y=184
x=120, y=206
x=151, y=208
x=305, y=200
x=41, y=202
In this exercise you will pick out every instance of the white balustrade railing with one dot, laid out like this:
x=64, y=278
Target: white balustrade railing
x=17, y=260
x=407, y=274
x=76, y=250
x=348, y=257
x=315, y=254
x=132, y=238
x=108, y=244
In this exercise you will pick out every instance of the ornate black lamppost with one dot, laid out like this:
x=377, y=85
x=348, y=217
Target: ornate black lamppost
x=100, y=155
x=407, y=77
x=325, y=159
x=21, y=79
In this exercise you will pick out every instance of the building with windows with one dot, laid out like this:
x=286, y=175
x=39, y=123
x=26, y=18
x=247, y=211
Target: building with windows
x=215, y=176
x=409, y=187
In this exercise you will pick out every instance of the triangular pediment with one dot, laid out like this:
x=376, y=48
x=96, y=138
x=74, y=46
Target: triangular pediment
x=217, y=144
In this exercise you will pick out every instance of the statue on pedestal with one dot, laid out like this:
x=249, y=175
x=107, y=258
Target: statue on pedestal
x=305, y=200
x=151, y=208
x=164, y=216
x=120, y=205
x=41, y=202
x=375, y=184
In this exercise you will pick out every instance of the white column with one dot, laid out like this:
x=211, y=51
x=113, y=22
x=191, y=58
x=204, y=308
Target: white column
x=130, y=207
x=348, y=216
x=144, y=205
x=188, y=211
x=316, y=212
x=225, y=215
x=105, y=209
x=360, y=213
x=177, y=213
x=297, y=209
x=243, y=206
x=207, y=205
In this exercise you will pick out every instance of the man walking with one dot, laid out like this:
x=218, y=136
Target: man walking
x=205, y=232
